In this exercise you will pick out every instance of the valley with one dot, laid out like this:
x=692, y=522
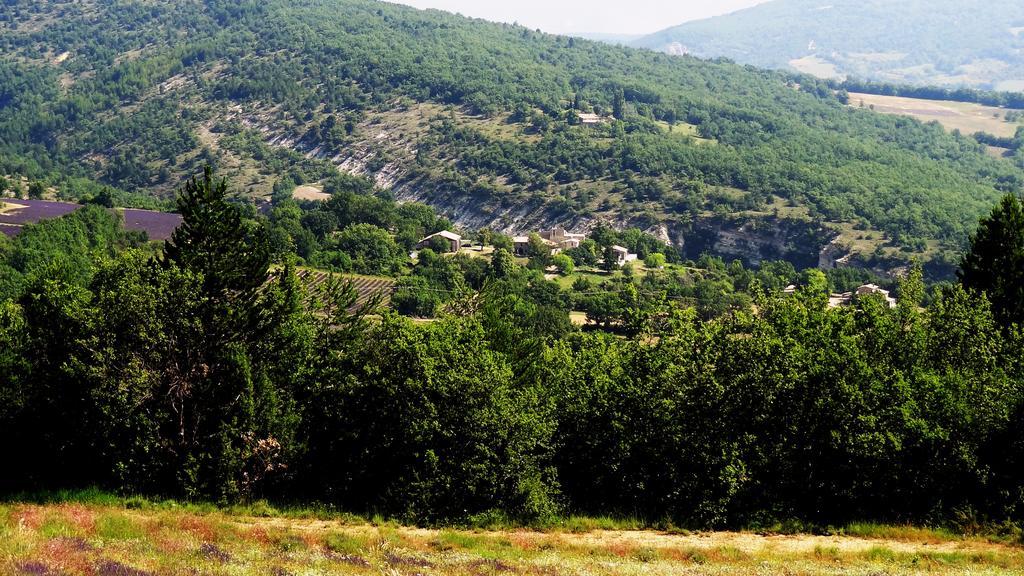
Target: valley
x=318, y=287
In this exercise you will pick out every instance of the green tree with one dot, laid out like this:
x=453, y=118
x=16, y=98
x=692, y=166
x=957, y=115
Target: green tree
x=372, y=249
x=486, y=235
x=619, y=104
x=539, y=250
x=230, y=254
x=610, y=261
x=502, y=242
x=995, y=263
x=564, y=264
x=433, y=425
x=655, y=261
x=194, y=357
x=586, y=254
x=503, y=264
x=414, y=297
x=36, y=190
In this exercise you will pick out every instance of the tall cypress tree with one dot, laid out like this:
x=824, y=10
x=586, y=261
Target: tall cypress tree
x=619, y=104
x=995, y=263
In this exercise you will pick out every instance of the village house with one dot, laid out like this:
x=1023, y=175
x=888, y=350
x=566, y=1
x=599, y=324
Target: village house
x=564, y=240
x=557, y=240
x=622, y=256
x=846, y=298
x=588, y=119
x=454, y=241
x=869, y=289
x=521, y=246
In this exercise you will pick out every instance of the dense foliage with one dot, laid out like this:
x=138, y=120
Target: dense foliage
x=995, y=263
x=139, y=95
x=208, y=374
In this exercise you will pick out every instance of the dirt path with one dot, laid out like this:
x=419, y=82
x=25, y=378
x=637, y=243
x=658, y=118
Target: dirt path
x=744, y=542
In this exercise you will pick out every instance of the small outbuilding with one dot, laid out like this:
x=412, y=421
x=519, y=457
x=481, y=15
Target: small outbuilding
x=453, y=240
x=622, y=255
x=588, y=119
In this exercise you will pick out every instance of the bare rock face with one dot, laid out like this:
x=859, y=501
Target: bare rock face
x=834, y=255
x=755, y=240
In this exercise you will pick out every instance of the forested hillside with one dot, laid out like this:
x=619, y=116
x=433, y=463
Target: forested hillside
x=480, y=121
x=973, y=43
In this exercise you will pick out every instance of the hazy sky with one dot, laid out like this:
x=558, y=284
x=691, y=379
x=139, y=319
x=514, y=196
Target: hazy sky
x=582, y=16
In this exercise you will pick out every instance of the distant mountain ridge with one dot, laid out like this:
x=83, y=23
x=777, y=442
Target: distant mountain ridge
x=972, y=43
x=609, y=37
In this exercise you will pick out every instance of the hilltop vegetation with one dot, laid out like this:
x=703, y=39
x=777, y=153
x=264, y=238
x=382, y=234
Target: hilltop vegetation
x=478, y=120
x=973, y=43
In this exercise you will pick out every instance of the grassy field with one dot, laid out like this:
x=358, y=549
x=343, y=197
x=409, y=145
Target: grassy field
x=116, y=539
x=816, y=66
x=966, y=117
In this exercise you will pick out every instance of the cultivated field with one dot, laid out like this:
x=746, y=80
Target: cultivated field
x=156, y=225
x=15, y=214
x=367, y=287
x=965, y=117
x=166, y=540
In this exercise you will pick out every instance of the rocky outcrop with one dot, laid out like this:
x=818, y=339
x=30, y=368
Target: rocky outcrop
x=750, y=239
x=834, y=255
x=757, y=239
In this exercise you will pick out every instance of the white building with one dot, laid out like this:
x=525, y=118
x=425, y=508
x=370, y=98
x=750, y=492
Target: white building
x=622, y=256
x=588, y=119
x=453, y=239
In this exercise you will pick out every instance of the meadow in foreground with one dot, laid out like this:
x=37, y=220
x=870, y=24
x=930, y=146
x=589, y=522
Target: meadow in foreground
x=118, y=540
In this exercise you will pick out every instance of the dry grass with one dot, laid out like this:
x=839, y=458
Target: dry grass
x=965, y=117
x=311, y=193
x=6, y=207
x=98, y=539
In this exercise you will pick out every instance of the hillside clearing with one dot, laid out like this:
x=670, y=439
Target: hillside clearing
x=310, y=193
x=816, y=66
x=966, y=117
x=79, y=539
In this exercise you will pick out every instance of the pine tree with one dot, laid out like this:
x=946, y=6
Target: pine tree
x=995, y=263
x=232, y=255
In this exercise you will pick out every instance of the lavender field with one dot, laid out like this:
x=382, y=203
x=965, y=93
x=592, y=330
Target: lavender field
x=14, y=214
x=158, y=225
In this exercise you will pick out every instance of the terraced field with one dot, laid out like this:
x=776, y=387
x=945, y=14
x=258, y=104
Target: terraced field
x=367, y=287
x=73, y=539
